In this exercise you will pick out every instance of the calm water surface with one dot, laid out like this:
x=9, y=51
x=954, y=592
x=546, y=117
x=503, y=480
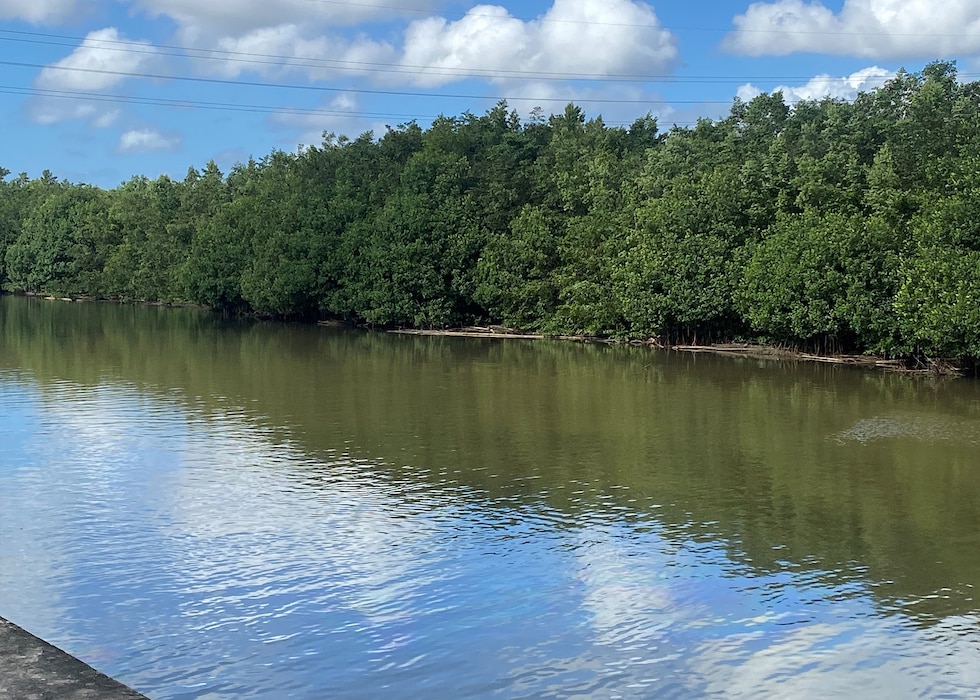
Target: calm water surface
x=215, y=509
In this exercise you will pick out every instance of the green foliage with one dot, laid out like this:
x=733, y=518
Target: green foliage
x=677, y=273
x=827, y=224
x=151, y=246
x=10, y=218
x=515, y=271
x=416, y=252
x=213, y=270
x=62, y=243
x=823, y=277
x=938, y=302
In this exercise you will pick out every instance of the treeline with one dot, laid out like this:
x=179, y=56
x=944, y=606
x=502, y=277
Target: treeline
x=829, y=225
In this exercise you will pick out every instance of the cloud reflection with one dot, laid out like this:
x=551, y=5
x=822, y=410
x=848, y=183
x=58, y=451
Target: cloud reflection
x=207, y=555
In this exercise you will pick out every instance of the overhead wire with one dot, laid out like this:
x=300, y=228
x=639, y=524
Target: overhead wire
x=285, y=61
x=200, y=104
x=322, y=88
x=233, y=107
x=245, y=59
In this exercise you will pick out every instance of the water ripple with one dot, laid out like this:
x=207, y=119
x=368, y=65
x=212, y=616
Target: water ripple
x=200, y=556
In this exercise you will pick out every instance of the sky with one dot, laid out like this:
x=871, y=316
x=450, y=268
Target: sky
x=98, y=91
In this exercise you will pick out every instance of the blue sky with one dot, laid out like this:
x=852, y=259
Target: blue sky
x=100, y=90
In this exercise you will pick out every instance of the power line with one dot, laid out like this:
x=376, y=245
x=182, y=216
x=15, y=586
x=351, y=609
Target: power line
x=312, y=62
x=317, y=88
x=367, y=66
x=230, y=107
x=198, y=104
x=379, y=67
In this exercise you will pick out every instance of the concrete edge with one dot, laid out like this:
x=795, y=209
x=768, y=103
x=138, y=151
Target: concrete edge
x=33, y=669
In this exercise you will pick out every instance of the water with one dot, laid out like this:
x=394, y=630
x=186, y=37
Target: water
x=206, y=508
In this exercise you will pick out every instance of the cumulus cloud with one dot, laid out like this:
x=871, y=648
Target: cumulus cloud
x=318, y=56
x=37, y=11
x=617, y=104
x=341, y=115
x=106, y=119
x=53, y=109
x=597, y=37
x=99, y=51
x=236, y=17
x=574, y=37
x=147, y=141
x=867, y=28
x=279, y=38
x=817, y=88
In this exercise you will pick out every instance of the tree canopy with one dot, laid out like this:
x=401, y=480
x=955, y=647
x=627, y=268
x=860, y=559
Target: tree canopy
x=826, y=224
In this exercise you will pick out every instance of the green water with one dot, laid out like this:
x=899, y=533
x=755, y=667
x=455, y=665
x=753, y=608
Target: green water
x=830, y=501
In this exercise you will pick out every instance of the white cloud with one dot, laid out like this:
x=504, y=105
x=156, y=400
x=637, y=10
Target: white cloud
x=595, y=37
x=97, y=52
x=106, y=119
x=48, y=110
x=817, y=88
x=37, y=11
x=867, y=28
x=748, y=92
x=617, y=104
x=51, y=109
x=147, y=141
x=345, y=101
x=318, y=56
x=236, y=17
x=341, y=116
x=598, y=37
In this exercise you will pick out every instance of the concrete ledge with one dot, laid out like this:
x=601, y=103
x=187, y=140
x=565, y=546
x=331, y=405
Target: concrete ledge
x=32, y=669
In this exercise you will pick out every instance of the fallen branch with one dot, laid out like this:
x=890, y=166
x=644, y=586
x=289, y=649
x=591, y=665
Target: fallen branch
x=471, y=332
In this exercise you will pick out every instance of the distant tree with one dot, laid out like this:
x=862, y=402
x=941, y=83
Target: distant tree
x=827, y=224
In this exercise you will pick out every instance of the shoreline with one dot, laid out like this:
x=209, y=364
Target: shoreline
x=941, y=367
x=910, y=366
x=88, y=298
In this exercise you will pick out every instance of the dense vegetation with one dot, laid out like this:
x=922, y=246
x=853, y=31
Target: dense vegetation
x=832, y=225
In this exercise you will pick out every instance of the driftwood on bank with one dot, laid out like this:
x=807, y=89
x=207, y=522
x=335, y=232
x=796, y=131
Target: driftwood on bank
x=752, y=350
x=475, y=332
x=924, y=366
x=932, y=367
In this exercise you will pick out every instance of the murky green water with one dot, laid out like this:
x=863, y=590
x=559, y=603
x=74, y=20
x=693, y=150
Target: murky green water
x=207, y=508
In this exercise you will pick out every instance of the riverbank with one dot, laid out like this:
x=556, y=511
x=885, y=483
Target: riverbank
x=910, y=365
x=32, y=669
x=88, y=298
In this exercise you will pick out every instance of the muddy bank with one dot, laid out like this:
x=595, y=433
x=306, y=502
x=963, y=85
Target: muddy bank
x=911, y=365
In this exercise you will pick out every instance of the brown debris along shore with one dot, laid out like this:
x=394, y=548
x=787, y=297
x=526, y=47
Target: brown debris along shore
x=931, y=367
